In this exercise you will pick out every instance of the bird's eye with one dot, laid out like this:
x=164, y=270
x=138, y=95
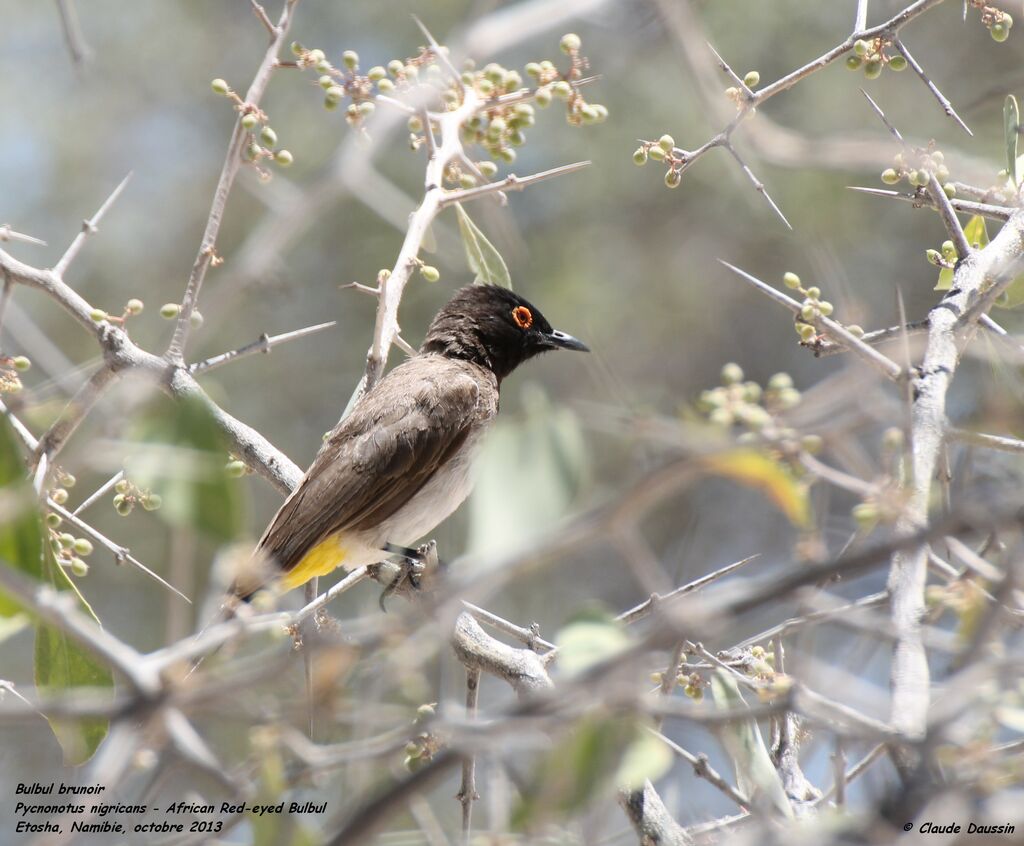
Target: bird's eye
x=523, y=317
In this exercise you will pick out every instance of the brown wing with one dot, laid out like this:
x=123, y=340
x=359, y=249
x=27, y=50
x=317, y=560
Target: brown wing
x=398, y=435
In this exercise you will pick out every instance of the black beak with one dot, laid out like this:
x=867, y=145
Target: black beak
x=565, y=341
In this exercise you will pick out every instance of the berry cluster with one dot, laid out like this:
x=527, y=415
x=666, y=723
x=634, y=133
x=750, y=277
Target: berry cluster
x=169, y=311
x=944, y=257
x=498, y=127
x=663, y=150
x=997, y=21
x=10, y=367
x=873, y=56
x=131, y=308
x=751, y=79
x=261, y=137
x=67, y=549
x=919, y=171
x=127, y=495
x=812, y=309
x=425, y=745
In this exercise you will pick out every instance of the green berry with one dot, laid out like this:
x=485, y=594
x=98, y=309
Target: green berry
x=297, y=49
x=79, y=567
x=467, y=180
x=732, y=373
x=97, y=315
x=219, y=86
x=890, y=176
x=326, y=81
x=122, y=486
x=485, y=87
x=411, y=71
x=235, y=469
x=825, y=308
x=151, y=502
x=814, y=292
x=134, y=306
x=268, y=136
x=169, y=310
x=806, y=331
x=640, y=156
x=949, y=189
x=385, y=86
x=507, y=155
x=898, y=63
x=60, y=496
x=53, y=520
x=865, y=514
x=855, y=330
x=532, y=69
x=21, y=363
x=395, y=67
x=656, y=154
x=66, y=540
x=861, y=47
x=283, y=158
x=589, y=114
x=791, y=280
x=82, y=546
x=249, y=121
x=812, y=443
x=195, y=319
x=570, y=43
x=808, y=312
x=335, y=94
x=430, y=273
x=601, y=112
x=752, y=79
x=933, y=256
x=543, y=96
x=872, y=69
x=561, y=89
x=999, y=32
x=667, y=143
x=350, y=59
x=854, y=62
x=673, y=178
x=488, y=169
x=376, y=73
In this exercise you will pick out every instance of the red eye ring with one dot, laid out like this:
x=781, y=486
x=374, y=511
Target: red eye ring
x=523, y=317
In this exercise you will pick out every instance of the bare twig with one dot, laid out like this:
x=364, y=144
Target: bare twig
x=264, y=344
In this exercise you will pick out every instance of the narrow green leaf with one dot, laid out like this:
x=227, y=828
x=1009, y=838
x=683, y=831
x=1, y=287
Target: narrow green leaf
x=756, y=776
x=484, y=260
x=60, y=663
x=182, y=455
x=21, y=527
x=1011, y=127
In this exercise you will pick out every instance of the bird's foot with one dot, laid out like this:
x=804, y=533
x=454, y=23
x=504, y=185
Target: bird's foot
x=413, y=565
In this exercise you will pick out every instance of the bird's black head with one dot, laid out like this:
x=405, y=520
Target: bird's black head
x=495, y=328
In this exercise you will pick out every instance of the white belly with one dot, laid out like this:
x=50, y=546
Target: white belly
x=430, y=506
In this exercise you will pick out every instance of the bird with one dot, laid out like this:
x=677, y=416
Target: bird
x=401, y=462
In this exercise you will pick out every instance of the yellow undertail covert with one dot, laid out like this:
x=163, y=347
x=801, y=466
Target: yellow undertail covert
x=322, y=559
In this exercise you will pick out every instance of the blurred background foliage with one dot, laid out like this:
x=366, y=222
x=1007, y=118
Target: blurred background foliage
x=609, y=254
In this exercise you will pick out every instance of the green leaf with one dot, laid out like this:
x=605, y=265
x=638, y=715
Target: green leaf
x=21, y=526
x=584, y=643
x=182, y=454
x=60, y=663
x=756, y=776
x=646, y=759
x=976, y=233
x=484, y=260
x=581, y=766
x=1011, y=132
x=529, y=473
